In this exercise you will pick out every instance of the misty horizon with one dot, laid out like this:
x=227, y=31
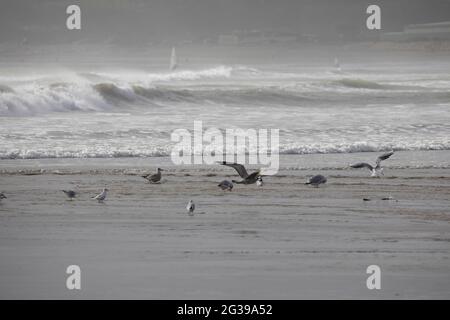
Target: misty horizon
x=138, y=22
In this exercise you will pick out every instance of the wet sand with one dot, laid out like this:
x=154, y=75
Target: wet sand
x=285, y=240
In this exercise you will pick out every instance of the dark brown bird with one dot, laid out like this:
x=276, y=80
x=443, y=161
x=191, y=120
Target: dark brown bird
x=154, y=178
x=246, y=178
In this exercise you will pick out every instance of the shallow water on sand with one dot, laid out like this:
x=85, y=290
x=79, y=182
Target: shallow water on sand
x=284, y=240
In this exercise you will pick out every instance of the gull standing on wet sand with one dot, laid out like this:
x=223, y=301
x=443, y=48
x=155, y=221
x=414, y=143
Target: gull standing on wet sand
x=190, y=207
x=70, y=194
x=317, y=180
x=259, y=181
x=225, y=185
x=102, y=196
x=154, y=178
x=377, y=170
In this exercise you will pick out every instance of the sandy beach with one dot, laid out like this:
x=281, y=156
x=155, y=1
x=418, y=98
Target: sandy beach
x=285, y=240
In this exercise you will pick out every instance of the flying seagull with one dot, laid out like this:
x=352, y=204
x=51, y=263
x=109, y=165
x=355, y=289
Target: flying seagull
x=70, y=193
x=190, y=207
x=316, y=180
x=101, y=196
x=259, y=181
x=154, y=178
x=226, y=185
x=2, y=196
x=377, y=170
x=246, y=178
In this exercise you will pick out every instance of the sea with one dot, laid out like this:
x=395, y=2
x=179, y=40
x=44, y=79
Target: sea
x=119, y=111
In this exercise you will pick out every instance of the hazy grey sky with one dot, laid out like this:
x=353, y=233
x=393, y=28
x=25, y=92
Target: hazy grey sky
x=43, y=21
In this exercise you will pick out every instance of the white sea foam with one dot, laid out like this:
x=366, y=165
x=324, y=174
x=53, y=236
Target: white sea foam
x=131, y=114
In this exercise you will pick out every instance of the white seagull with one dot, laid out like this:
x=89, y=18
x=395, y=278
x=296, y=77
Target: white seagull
x=190, y=207
x=377, y=170
x=102, y=196
x=259, y=181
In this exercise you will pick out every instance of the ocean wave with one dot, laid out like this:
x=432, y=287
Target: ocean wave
x=108, y=96
x=5, y=89
x=355, y=148
x=35, y=99
x=148, y=79
x=165, y=149
x=112, y=92
x=359, y=84
x=82, y=154
x=243, y=85
x=355, y=83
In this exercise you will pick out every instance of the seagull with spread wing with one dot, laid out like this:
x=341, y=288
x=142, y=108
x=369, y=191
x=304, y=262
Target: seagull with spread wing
x=376, y=170
x=246, y=178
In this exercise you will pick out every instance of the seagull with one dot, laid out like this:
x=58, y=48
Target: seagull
x=101, y=196
x=153, y=178
x=190, y=207
x=226, y=185
x=316, y=180
x=2, y=196
x=246, y=178
x=377, y=170
x=70, y=193
x=259, y=181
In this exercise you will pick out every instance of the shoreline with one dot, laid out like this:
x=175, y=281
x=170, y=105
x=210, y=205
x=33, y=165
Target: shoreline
x=421, y=159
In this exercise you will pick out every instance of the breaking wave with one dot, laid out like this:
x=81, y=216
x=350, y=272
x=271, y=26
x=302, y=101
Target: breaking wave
x=360, y=84
x=104, y=92
x=165, y=149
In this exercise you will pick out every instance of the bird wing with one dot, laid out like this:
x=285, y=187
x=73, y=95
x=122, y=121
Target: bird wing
x=253, y=175
x=238, y=167
x=384, y=157
x=99, y=196
x=362, y=165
